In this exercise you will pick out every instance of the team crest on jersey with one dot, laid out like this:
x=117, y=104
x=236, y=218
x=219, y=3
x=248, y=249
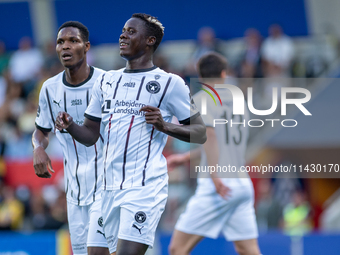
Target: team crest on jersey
x=100, y=221
x=153, y=87
x=140, y=217
x=157, y=76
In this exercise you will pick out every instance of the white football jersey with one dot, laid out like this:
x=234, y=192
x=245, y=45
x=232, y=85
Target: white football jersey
x=83, y=166
x=232, y=140
x=132, y=148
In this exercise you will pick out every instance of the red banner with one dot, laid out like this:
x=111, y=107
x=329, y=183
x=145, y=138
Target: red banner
x=22, y=173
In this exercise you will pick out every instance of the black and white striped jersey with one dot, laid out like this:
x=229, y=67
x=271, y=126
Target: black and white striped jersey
x=83, y=166
x=132, y=148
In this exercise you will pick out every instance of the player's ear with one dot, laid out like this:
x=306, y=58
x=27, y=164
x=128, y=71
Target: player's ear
x=151, y=40
x=87, y=46
x=224, y=74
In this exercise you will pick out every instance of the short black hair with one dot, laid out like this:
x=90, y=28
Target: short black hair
x=211, y=64
x=153, y=27
x=84, y=32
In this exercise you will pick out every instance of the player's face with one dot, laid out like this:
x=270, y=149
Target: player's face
x=71, y=48
x=133, y=40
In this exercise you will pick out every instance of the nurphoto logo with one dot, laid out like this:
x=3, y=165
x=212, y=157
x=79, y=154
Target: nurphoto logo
x=239, y=102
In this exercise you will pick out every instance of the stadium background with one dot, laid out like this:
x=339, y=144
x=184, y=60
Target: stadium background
x=39, y=224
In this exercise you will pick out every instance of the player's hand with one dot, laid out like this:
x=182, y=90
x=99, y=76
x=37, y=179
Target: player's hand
x=42, y=163
x=175, y=160
x=221, y=189
x=153, y=116
x=63, y=121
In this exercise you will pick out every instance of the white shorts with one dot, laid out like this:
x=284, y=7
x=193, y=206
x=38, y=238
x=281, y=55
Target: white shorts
x=209, y=215
x=86, y=226
x=133, y=214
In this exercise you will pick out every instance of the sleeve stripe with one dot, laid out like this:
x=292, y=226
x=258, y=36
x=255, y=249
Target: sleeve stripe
x=65, y=101
x=107, y=148
x=43, y=129
x=92, y=118
x=101, y=82
x=140, y=88
x=101, y=138
x=126, y=149
x=114, y=96
x=49, y=106
x=95, y=172
x=75, y=148
x=187, y=121
x=164, y=92
x=148, y=155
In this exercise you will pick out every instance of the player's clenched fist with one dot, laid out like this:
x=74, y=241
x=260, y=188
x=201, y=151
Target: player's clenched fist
x=42, y=163
x=63, y=121
x=153, y=116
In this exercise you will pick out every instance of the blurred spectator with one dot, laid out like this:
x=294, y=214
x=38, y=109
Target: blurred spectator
x=160, y=61
x=23, y=194
x=315, y=65
x=268, y=209
x=277, y=52
x=38, y=211
x=206, y=41
x=57, y=212
x=2, y=161
x=11, y=209
x=251, y=56
x=26, y=119
x=51, y=62
x=25, y=65
x=48, y=216
x=4, y=57
x=297, y=215
x=3, y=89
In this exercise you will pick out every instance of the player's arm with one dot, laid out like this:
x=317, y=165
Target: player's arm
x=176, y=160
x=41, y=161
x=212, y=153
x=193, y=132
x=87, y=134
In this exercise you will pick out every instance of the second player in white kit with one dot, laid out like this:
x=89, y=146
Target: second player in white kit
x=224, y=202
x=83, y=166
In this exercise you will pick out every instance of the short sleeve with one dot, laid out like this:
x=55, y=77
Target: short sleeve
x=43, y=120
x=93, y=111
x=180, y=102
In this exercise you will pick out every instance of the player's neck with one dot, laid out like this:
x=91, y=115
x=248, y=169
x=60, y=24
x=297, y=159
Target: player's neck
x=212, y=82
x=77, y=74
x=139, y=63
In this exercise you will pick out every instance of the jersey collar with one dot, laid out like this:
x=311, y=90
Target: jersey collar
x=78, y=85
x=139, y=70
